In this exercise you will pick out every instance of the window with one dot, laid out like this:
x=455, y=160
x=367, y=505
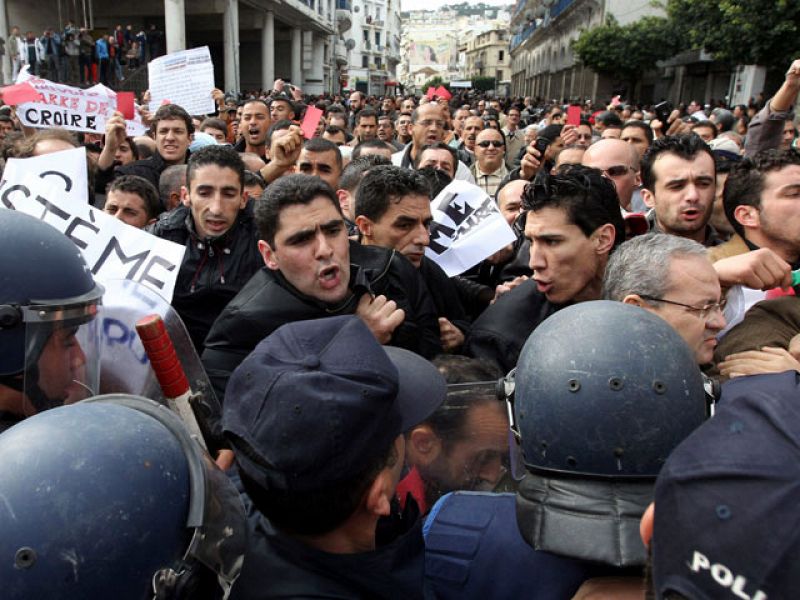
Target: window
x=378, y=64
x=377, y=38
x=366, y=35
x=364, y=62
x=500, y=55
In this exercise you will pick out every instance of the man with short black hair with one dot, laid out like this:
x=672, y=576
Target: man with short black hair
x=132, y=200
x=311, y=270
x=173, y=129
x=281, y=107
x=679, y=183
x=386, y=132
x=366, y=126
x=573, y=223
x=219, y=233
x=317, y=491
x=253, y=127
x=322, y=159
x=438, y=155
x=393, y=211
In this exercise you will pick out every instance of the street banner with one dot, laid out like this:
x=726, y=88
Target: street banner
x=185, y=78
x=53, y=189
x=467, y=227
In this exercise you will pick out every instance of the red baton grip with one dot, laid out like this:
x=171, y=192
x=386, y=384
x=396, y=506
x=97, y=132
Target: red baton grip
x=163, y=358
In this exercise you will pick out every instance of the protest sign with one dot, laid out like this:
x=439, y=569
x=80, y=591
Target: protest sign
x=71, y=108
x=185, y=78
x=467, y=227
x=53, y=189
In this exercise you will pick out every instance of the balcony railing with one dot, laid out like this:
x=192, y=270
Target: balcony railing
x=522, y=36
x=560, y=7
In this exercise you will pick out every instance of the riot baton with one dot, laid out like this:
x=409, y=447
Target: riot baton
x=173, y=381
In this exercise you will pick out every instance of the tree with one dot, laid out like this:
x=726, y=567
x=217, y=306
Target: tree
x=484, y=84
x=625, y=52
x=435, y=82
x=743, y=32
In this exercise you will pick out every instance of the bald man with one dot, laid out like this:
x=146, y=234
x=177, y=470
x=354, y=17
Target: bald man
x=619, y=162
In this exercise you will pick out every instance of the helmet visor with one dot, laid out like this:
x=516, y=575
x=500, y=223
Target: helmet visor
x=62, y=355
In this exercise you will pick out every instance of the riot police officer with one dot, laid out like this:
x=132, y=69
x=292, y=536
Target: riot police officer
x=48, y=303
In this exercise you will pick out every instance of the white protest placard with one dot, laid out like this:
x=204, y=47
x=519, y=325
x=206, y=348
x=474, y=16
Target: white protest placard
x=185, y=78
x=65, y=169
x=48, y=190
x=72, y=108
x=467, y=227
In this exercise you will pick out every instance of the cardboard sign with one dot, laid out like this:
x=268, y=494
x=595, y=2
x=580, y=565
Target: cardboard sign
x=52, y=189
x=310, y=121
x=467, y=227
x=185, y=78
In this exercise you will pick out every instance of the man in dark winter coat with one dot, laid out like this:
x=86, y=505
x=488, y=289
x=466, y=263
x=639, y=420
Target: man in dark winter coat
x=216, y=225
x=311, y=270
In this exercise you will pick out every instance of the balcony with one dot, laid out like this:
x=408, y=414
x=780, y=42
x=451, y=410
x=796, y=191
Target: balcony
x=344, y=16
x=522, y=36
x=340, y=53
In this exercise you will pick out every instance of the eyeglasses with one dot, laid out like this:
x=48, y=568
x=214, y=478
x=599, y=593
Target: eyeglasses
x=438, y=123
x=487, y=143
x=617, y=171
x=704, y=312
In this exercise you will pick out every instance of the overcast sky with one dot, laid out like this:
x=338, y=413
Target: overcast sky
x=434, y=4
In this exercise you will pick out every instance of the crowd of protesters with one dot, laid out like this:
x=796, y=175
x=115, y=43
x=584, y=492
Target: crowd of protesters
x=79, y=56
x=307, y=258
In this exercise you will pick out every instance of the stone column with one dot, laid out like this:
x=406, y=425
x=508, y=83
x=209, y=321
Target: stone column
x=268, y=50
x=297, y=57
x=175, y=25
x=230, y=37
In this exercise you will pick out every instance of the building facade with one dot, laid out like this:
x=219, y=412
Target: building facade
x=252, y=42
x=486, y=55
x=375, y=46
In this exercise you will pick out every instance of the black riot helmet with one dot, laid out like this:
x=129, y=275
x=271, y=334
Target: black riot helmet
x=48, y=302
x=603, y=392
x=112, y=498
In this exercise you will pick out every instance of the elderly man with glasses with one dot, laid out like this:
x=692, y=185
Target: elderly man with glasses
x=428, y=125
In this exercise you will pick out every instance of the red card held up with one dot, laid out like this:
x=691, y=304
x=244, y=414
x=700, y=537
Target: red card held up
x=125, y=105
x=442, y=92
x=574, y=115
x=430, y=93
x=310, y=121
x=20, y=93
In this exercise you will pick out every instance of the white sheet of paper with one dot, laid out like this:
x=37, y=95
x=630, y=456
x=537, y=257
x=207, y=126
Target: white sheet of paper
x=112, y=249
x=185, y=78
x=467, y=227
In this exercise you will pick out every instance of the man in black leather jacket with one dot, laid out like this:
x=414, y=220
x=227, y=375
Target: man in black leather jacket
x=216, y=225
x=311, y=270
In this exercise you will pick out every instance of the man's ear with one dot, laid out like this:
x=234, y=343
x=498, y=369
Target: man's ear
x=638, y=178
x=245, y=198
x=604, y=237
x=646, y=525
x=633, y=299
x=379, y=495
x=187, y=201
x=268, y=254
x=423, y=446
x=344, y=201
x=648, y=198
x=748, y=216
x=364, y=225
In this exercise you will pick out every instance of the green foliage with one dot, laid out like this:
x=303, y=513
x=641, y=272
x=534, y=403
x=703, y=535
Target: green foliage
x=763, y=32
x=435, y=82
x=484, y=84
x=626, y=51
